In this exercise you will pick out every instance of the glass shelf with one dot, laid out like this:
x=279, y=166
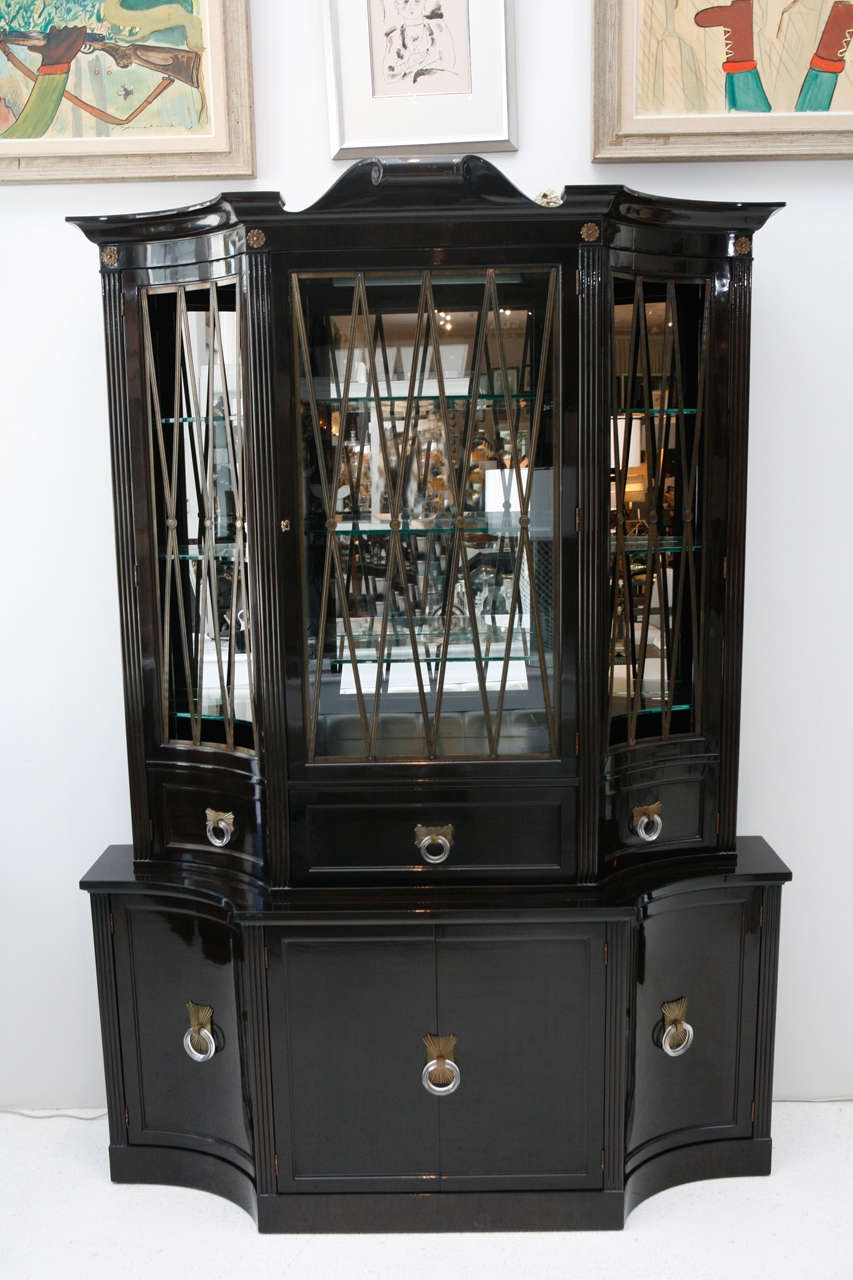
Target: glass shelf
x=655, y=413
x=224, y=551
x=455, y=389
x=217, y=417
x=493, y=525
x=430, y=639
x=668, y=544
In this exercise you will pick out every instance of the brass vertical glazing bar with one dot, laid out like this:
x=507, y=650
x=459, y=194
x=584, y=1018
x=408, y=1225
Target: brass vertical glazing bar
x=350, y=639
x=540, y=643
x=395, y=538
x=312, y=399
x=210, y=541
x=152, y=404
x=547, y=340
x=383, y=633
x=321, y=644
x=196, y=434
x=492, y=287
x=448, y=618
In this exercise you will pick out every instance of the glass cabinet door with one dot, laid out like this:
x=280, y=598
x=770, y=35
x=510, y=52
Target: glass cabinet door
x=194, y=396
x=661, y=341
x=430, y=463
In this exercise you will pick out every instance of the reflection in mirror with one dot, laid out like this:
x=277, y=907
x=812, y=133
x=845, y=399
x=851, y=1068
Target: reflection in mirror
x=430, y=466
x=196, y=435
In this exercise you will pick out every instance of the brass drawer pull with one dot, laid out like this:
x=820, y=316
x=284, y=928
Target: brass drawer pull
x=199, y=1032
x=647, y=821
x=219, y=828
x=678, y=1033
x=428, y=837
x=441, y=1050
x=441, y=1091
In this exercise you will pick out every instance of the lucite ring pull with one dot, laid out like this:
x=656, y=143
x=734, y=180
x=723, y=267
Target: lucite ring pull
x=193, y=1053
x=219, y=828
x=434, y=843
x=647, y=821
x=199, y=1043
x=441, y=1075
x=678, y=1033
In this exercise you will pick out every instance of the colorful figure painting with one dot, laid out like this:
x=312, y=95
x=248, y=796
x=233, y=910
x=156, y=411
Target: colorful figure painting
x=751, y=56
x=101, y=69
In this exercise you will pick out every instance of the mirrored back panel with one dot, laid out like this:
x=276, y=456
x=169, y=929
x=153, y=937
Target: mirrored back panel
x=661, y=352
x=430, y=462
x=194, y=393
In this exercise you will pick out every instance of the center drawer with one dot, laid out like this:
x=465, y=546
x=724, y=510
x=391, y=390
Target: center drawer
x=516, y=832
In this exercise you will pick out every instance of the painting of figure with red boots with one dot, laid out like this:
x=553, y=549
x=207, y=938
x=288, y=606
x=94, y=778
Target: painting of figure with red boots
x=751, y=56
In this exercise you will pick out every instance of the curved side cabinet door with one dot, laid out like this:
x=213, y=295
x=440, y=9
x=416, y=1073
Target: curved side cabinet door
x=695, y=1061
x=166, y=958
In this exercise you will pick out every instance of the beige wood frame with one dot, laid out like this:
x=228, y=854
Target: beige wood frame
x=611, y=142
x=236, y=160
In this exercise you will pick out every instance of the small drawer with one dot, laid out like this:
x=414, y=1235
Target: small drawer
x=508, y=833
x=211, y=816
x=663, y=808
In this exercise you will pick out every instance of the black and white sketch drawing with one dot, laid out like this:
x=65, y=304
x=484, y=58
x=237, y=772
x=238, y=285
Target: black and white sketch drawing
x=420, y=46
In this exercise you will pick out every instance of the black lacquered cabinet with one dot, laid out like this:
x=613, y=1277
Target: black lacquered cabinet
x=430, y=519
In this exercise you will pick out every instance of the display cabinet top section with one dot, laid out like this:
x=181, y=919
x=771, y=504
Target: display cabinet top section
x=425, y=192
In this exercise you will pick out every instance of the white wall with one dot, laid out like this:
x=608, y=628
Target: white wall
x=64, y=787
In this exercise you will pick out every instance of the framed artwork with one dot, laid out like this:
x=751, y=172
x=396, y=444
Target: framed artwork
x=687, y=79
x=420, y=77
x=107, y=89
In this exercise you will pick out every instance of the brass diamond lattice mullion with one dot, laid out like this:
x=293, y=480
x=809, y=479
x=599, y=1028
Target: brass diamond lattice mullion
x=540, y=643
x=372, y=341
x=339, y=448
x=321, y=644
x=350, y=638
x=513, y=438
x=203, y=468
x=153, y=413
x=361, y=304
x=302, y=337
x=548, y=339
x=652, y=464
x=410, y=398
x=475, y=640
x=513, y=608
x=210, y=539
x=236, y=482
x=383, y=634
x=448, y=620
x=410, y=621
x=172, y=527
x=457, y=483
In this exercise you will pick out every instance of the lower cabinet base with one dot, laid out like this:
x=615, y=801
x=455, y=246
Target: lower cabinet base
x=360, y=1213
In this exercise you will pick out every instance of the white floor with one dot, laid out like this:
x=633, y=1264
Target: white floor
x=61, y=1217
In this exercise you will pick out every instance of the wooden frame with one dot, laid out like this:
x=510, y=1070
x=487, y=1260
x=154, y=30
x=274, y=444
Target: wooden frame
x=776, y=123
x=222, y=75
x=363, y=123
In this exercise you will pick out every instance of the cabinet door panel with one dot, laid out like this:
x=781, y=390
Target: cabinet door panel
x=703, y=948
x=348, y=1015
x=165, y=957
x=527, y=1008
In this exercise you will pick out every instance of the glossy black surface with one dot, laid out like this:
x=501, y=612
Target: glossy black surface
x=548, y=940
x=458, y=216
x=165, y=958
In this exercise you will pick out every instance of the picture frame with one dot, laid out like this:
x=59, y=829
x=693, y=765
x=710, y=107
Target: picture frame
x=420, y=77
x=114, y=93
x=745, y=81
